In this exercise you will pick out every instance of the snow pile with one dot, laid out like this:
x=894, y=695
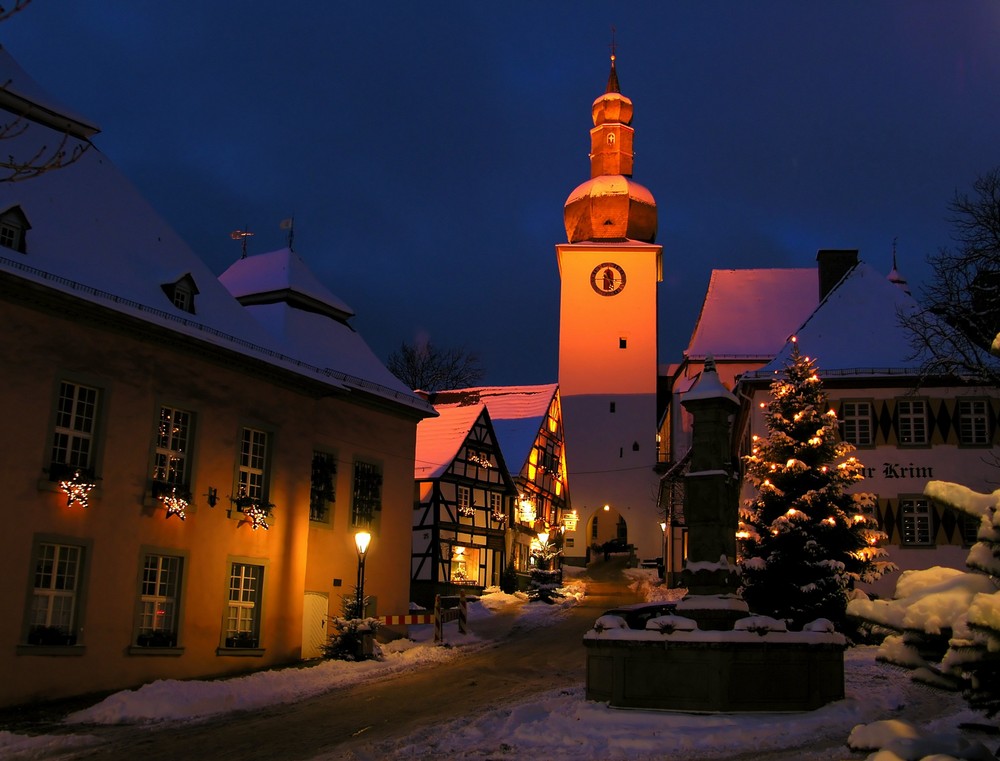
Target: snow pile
x=896, y=740
x=177, y=700
x=949, y=620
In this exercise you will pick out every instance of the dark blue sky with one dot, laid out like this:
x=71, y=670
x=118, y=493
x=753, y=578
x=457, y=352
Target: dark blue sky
x=426, y=154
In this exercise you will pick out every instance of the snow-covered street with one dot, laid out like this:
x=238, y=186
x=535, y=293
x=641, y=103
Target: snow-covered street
x=556, y=723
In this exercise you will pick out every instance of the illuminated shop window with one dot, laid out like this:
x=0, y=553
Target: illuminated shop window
x=464, y=565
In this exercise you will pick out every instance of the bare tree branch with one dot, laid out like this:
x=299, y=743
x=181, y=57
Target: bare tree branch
x=960, y=306
x=19, y=5
x=425, y=367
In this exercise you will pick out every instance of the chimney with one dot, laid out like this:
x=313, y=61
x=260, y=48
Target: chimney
x=833, y=264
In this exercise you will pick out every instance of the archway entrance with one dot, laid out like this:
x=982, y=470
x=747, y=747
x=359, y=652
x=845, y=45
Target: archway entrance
x=606, y=527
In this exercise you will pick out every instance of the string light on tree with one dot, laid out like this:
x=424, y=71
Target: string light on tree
x=803, y=539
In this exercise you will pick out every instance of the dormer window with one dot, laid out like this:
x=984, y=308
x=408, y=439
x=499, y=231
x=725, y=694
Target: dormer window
x=13, y=229
x=181, y=293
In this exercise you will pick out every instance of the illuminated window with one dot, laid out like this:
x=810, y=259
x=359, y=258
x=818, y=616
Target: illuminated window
x=159, y=600
x=246, y=592
x=252, y=472
x=916, y=514
x=912, y=421
x=367, y=493
x=173, y=436
x=55, y=603
x=464, y=565
x=464, y=502
x=973, y=422
x=75, y=428
x=856, y=423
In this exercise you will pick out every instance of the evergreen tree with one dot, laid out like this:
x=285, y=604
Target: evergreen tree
x=804, y=541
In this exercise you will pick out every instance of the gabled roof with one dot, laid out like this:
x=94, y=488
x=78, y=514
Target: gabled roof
x=856, y=330
x=440, y=439
x=517, y=412
x=750, y=313
x=96, y=239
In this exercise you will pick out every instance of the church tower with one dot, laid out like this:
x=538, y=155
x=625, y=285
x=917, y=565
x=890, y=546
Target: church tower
x=609, y=270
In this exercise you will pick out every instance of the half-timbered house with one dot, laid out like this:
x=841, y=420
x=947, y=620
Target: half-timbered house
x=463, y=502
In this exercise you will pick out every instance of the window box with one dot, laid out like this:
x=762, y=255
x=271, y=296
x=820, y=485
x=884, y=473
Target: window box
x=50, y=636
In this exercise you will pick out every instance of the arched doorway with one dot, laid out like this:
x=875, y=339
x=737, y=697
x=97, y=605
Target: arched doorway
x=606, y=525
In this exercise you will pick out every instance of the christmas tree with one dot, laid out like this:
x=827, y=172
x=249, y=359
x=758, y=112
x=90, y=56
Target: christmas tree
x=803, y=540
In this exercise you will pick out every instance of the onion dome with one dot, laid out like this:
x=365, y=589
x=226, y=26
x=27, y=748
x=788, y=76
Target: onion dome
x=610, y=206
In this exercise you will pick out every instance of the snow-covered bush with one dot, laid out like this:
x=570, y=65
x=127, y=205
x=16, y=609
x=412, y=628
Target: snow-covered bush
x=948, y=621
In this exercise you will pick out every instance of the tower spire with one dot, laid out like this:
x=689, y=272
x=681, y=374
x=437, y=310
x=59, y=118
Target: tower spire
x=613, y=76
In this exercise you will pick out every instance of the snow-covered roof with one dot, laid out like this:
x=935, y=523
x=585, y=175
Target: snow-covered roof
x=26, y=98
x=439, y=439
x=94, y=237
x=517, y=413
x=856, y=330
x=281, y=275
x=750, y=313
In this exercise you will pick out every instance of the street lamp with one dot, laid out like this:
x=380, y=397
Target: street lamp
x=361, y=540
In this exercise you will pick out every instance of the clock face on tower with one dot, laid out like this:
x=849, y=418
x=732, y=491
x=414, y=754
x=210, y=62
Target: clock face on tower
x=608, y=279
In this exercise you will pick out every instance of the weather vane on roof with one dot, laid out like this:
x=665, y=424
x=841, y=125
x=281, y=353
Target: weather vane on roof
x=612, y=45
x=242, y=235
x=289, y=224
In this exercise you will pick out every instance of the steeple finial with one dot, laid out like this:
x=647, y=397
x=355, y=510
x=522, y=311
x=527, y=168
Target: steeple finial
x=613, y=76
x=894, y=276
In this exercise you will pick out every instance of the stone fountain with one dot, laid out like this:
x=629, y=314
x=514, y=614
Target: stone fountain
x=711, y=655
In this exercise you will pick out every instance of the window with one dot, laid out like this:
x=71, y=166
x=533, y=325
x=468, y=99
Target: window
x=246, y=587
x=970, y=528
x=181, y=293
x=611, y=408
x=496, y=506
x=856, y=422
x=464, y=501
x=464, y=565
x=367, y=493
x=912, y=421
x=251, y=478
x=53, y=619
x=322, y=486
x=13, y=228
x=75, y=427
x=916, y=514
x=173, y=437
x=622, y=343
x=973, y=422
x=159, y=598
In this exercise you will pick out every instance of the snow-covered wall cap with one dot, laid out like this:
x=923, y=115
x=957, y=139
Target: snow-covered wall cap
x=281, y=275
x=708, y=386
x=22, y=96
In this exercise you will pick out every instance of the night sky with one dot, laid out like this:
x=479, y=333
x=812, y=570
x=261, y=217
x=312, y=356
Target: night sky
x=426, y=150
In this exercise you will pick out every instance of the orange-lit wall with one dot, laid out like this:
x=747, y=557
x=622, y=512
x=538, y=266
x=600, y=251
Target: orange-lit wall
x=609, y=391
x=136, y=373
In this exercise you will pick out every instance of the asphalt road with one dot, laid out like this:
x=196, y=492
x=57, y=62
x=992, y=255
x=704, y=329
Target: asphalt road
x=350, y=721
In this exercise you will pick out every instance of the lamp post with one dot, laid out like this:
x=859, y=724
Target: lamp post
x=361, y=540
